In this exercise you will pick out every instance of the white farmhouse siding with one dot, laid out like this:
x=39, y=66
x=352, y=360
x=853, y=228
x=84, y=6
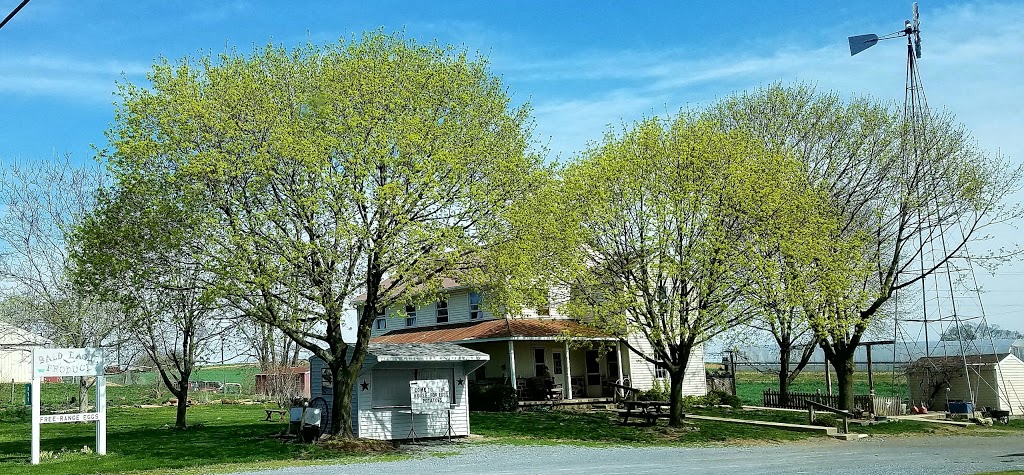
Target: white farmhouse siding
x=16, y=353
x=381, y=402
x=642, y=373
x=426, y=315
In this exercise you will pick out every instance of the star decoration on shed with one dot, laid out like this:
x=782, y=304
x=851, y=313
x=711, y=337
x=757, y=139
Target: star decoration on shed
x=365, y=385
x=460, y=381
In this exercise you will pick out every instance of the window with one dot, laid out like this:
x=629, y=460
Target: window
x=380, y=322
x=474, y=306
x=544, y=310
x=556, y=361
x=442, y=311
x=660, y=372
x=539, y=366
x=326, y=382
x=410, y=315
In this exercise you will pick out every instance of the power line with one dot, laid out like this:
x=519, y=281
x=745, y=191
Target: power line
x=15, y=12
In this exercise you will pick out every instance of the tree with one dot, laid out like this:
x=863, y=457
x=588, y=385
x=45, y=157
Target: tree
x=374, y=166
x=903, y=211
x=41, y=202
x=660, y=224
x=140, y=249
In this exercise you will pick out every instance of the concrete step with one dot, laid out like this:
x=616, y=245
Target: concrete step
x=831, y=431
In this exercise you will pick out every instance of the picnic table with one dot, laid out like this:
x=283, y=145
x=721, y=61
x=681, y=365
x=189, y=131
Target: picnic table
x=280, y=413
x=649, y=411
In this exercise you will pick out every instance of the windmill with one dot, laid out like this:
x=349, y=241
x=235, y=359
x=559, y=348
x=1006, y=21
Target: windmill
x=915, y=148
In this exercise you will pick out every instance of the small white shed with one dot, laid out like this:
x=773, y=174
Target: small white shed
x=382, y=400
x=16, y=353
x=995, y=381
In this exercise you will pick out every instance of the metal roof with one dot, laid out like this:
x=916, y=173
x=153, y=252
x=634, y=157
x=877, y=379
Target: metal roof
x=497, y=329
x=424, y=352
x=956, y=362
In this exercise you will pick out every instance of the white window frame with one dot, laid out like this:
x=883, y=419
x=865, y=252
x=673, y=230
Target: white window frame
x=441, y=306
x=410, y=316
x=474, y=308
x=660, y=372
x=381, y=321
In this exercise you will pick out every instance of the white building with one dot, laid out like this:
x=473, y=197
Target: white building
x=522, y=347
x=16, y=353
x=992, y=380
x=381, y=397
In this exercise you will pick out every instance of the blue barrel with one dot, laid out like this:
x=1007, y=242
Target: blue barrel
x=961, y=407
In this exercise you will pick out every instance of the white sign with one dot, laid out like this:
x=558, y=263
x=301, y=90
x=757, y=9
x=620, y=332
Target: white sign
x=430, y=395
x=79, y=417
x=67, y=362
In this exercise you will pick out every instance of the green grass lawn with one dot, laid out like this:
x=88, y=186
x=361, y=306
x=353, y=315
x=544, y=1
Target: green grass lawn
x=221, y=438
x=554, y=427
x=750, y=385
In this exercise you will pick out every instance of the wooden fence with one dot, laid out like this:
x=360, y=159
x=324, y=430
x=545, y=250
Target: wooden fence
x=883, y=405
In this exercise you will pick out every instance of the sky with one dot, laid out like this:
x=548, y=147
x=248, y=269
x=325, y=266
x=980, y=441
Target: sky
x=582, y=66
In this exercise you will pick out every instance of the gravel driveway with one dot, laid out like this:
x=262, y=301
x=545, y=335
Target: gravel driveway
x=890, y=455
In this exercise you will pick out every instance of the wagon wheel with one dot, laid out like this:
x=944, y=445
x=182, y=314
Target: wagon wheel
x=325, y=412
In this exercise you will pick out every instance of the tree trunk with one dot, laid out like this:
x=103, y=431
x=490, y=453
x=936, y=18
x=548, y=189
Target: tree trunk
x=676, y=398
x=843, y=364
x=179, y=417
x=83, y=394
x=341, y=406
x=784, y=353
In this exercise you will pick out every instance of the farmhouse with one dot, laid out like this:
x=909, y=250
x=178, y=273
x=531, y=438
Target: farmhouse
x=994, y=380
x=529, y=351
x=16, y=353
x=382, y=404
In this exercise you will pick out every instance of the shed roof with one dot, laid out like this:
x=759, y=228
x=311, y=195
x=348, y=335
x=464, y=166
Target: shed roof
x=956, y=362
x=13, y=336
x=424, y=352
x=497, y=329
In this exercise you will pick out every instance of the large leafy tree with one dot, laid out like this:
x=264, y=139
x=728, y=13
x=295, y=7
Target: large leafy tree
x=909, y=196
x=659, y=227
x=371, y=167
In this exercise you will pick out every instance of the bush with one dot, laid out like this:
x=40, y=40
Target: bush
x=659, y=391
x=718, y=397
x=824, y=420
x=494, y=398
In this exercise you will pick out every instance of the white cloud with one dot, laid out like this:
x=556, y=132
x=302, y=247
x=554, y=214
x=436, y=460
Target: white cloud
x=82, y=80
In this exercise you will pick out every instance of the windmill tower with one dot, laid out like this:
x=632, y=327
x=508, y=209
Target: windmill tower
x=944, y=299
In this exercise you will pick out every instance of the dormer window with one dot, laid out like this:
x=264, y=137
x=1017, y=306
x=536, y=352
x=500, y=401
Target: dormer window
x=474, y=306
x=410, y=315
x=442, y=311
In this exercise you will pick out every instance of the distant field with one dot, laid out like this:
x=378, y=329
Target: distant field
x=750, y=385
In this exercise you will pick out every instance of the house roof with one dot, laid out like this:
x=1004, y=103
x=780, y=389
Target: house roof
x=446, y=284
x=498, y=329
x=956, y=362
x=424, y=352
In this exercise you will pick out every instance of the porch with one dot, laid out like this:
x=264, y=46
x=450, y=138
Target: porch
x=532, y=356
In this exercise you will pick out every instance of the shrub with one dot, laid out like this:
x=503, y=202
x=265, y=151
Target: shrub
x=659, y=391
x=494, y=398
x=824, y=420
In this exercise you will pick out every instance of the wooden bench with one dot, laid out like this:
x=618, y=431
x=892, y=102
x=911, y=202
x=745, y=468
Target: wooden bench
x=280, y=413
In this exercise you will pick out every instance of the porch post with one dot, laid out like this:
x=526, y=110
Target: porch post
x=618, y=354
x=568, y=373
x=512, y=365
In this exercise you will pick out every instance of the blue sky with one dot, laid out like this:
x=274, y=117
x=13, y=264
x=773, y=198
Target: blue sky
x=583, y=66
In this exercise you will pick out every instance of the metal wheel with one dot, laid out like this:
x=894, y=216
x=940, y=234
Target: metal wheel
x=325, y=413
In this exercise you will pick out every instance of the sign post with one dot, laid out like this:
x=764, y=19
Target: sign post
x=69, y=362
x=429, y=396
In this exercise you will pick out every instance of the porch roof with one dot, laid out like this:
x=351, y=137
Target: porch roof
x=495, y=330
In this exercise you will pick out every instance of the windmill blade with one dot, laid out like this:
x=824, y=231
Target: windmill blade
x=917, y=33
x=862, y=42
x=916, y=23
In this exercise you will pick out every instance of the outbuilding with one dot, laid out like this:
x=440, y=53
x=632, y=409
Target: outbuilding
x=993, y=380
x=383, y=405
x=16, y=353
